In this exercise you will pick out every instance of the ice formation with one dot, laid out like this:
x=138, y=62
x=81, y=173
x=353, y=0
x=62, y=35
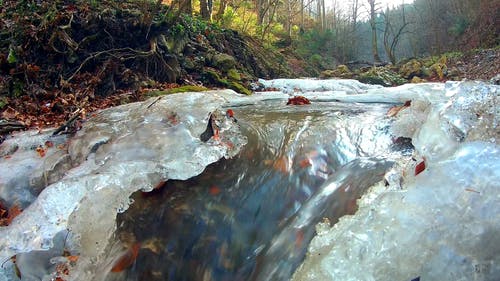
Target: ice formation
x=442, y=224
x=119, y=151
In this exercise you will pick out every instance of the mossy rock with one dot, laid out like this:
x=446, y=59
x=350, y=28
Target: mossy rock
x=329, y=73
x=233, y=85
x=3, y=102
x=438, y=70
x=416, y=80
x=342, y=71
x=181, y=89
x=212, y=77
x=411, y=69
x=382, y=76
x=372, y=79
x=223, y=62
x=233, y=74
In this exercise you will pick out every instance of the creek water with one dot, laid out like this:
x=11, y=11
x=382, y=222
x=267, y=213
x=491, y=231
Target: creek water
x=252, y=216
x=247, y=205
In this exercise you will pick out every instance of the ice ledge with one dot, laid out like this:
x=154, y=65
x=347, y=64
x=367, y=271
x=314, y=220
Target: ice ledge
x=119, y=151
x=441, y=223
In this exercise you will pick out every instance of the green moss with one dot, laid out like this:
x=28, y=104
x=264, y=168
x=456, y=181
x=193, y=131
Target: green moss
x=381, y=76
x=213, y=77
x=411, y=69
x=239, y=88
x=233, y=74
x=181, y=89
x=3, y=102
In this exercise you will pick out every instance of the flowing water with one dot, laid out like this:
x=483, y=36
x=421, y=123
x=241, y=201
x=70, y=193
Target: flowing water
x=252, y=217
x=246, y=206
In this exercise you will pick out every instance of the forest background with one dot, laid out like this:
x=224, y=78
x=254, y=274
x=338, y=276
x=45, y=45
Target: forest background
x=62, y=58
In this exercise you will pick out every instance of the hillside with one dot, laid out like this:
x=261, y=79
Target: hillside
x=58, y=58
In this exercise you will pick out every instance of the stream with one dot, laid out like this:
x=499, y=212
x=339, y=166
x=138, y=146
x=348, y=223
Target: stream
x=281, y=192
x=253, y=216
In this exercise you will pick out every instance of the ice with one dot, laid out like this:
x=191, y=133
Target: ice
x=442, y=224
x=23, y=172
x=314, y=85
x=119, y=151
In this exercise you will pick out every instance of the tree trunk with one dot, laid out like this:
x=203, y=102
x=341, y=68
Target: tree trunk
x=222, y=10
x=206, y=7
x=376, y=57
x=184, y=6
x=261, y=8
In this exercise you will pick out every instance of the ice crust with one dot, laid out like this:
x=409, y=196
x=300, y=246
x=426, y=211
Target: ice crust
x=442, y=224
x=119, y=151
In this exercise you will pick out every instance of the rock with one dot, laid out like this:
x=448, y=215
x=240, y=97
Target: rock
x=438, y=70
x=342, y=71
x=233, y=74
x=172, y=68
x=223, y=62
x=495, y=80
x=239, y=88
x=381, y=76
x=411, y=69
x=416, y=80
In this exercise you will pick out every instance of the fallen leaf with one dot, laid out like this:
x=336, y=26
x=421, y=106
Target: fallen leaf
x=304, y=163
x=49, y=144
x=214, y=190
x=420, y=167
x=6, y=217
x=127, y=259
x=41, y=151
x=282, y=165
x=298, y=100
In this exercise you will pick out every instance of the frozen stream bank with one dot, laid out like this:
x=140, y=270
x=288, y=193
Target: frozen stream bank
x=287, y=168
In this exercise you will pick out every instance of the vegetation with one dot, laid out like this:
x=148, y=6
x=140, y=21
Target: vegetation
x=60, y=56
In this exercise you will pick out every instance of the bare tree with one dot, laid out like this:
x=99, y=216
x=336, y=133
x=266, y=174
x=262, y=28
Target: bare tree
x=373, y=25
x=392, y=35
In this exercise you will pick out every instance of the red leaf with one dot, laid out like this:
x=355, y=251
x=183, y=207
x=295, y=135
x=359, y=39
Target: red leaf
x=420, y=167
x=298, y=100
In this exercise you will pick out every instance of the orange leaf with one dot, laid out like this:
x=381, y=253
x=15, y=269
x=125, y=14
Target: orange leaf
x=214, y=190
x=7, y=217
x=282, y=165
x=41, y=151
x=73, y=258
x=127, y=259
x=305, y=163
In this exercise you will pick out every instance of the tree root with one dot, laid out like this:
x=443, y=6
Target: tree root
x=151, y=57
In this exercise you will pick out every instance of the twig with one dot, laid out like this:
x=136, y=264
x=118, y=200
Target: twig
x=155, y=101
x=71, y=120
